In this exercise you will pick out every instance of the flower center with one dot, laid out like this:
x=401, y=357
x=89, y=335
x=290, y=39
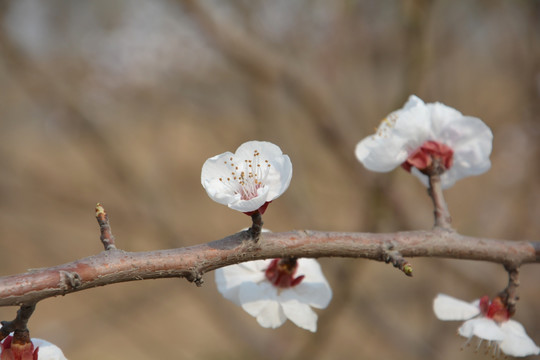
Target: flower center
x=281, y=272
x=495, y=310
x=247, y=176
x=432, y=158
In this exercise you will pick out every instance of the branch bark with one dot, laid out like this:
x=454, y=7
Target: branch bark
x=114, y=266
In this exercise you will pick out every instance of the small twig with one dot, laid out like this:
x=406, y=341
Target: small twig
x=256, y=226
x=106, y=237
x=509, y=295
x=398, y=261
x=442, y=215
x=18, y=325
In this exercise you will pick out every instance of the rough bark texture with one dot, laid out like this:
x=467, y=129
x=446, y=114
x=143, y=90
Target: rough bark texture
x=192, y=262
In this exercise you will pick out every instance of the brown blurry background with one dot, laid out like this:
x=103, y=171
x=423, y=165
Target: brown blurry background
x=121, y=102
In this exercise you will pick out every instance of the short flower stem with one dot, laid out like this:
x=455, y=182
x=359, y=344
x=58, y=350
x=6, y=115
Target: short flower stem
x=509, y=295
x=106, y=237
x=18, y=325
x=442, y=215
x=256, y=226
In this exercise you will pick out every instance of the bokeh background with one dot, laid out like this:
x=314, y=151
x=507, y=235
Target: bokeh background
x=121, y=102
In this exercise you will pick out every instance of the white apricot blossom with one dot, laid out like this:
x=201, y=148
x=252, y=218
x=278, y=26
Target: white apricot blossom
x=248, y=180
x=270, y=291
x=38, y=349
x=487, y=320
x=426, y=138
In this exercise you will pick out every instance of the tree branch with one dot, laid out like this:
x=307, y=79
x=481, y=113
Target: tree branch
x=114, y=266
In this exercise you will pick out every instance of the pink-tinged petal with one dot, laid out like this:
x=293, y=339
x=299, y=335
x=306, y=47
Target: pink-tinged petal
x=218, y=191
x=449, y=308
x=280, y=170
x=483, y=328
x=516, y=341
x=300, y=314
x=48, y=351
x=260, y=301
x=252, y=204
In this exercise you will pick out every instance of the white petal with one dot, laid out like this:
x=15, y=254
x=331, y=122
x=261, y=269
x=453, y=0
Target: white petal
x=48, y=351
x=300, y=314
x=516, y=341
x=314, y=288
x=215, y=166
x=483, y=328
x=260, y=301
x=442, y=118
x=449, y=308
x=381, y=156
x=279, y=176
x=398, y=135
x=229, y=278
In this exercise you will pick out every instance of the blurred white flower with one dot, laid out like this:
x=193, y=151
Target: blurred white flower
x=428, y=137
x=270, y=291
x=249, y=179
x=487, y=321
x=38, y=349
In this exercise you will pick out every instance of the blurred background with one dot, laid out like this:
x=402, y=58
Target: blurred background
x=121, y=102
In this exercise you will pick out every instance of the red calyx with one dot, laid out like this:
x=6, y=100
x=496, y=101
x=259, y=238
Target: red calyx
x=261, y=210
x=495, y=310
x=15, y=350
x=281, y=272
x=432, y=156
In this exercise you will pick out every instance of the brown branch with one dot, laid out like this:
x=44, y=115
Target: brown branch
x=116, y=266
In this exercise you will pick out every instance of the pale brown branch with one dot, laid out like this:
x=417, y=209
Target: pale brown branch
x=192, y=262
x=440, y=209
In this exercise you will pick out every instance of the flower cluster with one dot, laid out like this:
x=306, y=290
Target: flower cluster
x=487, y=320
x=425, y=139
x=428, y=139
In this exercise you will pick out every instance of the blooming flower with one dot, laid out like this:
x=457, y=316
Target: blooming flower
x=37, y=349
x=248, y=180
x=428, y=138
x=487, y=321
x=270, y=291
